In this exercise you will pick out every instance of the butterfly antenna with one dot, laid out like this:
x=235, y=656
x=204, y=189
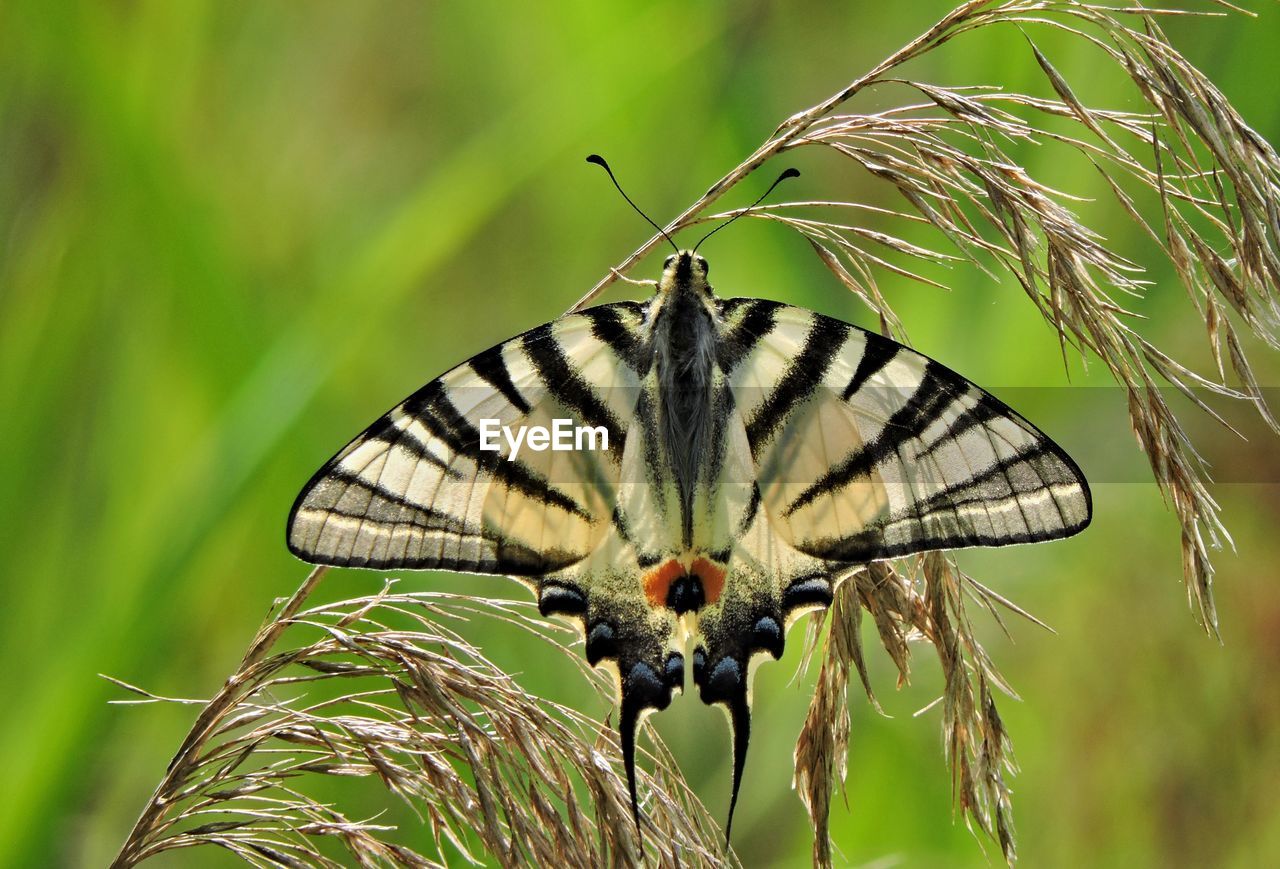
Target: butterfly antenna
x=789, y=173
x=740, y=719
x=599, y=161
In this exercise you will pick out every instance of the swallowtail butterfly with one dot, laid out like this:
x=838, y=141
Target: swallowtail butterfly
x=755, y=453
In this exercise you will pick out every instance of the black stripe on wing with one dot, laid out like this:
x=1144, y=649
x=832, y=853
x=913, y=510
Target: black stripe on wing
x=1026, y=472
x=744, y=331
x=492, y=369
x=749, y=515
x=928, y=403
x=986, y=409
x=431, y=407
x=870, y=545
x=626, y=341
x=385, y=431
x=383, y=512
x=568, y=386
x=647, y=419
x=877, y=352
x=806, y=371
x=389, y=508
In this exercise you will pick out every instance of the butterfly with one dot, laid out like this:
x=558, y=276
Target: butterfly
x=744, y=456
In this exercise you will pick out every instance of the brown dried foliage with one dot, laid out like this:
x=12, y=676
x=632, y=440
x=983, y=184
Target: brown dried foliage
x=913, y=600
x=483, y=763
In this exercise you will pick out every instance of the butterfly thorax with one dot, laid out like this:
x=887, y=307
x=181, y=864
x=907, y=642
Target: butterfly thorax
x=684, y=355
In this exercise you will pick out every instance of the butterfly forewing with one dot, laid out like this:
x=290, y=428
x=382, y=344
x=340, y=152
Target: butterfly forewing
x=416, y=490
x=882, y=451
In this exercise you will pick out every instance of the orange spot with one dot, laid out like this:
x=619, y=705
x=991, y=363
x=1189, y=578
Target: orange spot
x=657, y=582
x=712, y=576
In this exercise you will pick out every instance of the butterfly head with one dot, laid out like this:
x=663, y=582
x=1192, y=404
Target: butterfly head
x=685, y=272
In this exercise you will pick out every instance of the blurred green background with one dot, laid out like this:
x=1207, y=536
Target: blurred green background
x=231, y=234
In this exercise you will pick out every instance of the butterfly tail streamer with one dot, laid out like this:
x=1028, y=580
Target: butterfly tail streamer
x=643, y=690
x=628, y=721
x=740, y=723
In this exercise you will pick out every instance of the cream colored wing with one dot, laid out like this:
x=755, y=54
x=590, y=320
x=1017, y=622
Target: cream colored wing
x=865, y=449
x=416, y=490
